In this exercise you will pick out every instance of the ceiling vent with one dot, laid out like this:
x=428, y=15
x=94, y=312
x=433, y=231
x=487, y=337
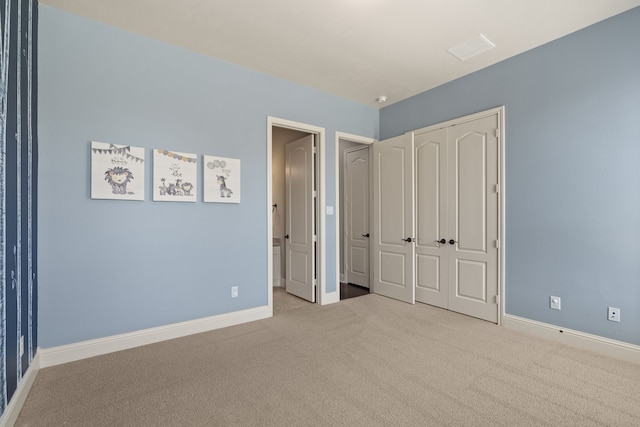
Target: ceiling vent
x=472, y=47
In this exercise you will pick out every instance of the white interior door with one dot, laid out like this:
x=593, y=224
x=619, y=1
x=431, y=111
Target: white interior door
x=393, y=247
x=457, y=217
x=300, y=230
x=357, y=216
x=473, y=218
x=432, y=260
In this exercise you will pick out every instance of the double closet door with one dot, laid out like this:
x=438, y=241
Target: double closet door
x=436, y=216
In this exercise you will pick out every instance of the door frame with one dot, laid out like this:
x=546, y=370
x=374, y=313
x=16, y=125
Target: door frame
x=324, y=297
x=339, y=239
x=500, y=112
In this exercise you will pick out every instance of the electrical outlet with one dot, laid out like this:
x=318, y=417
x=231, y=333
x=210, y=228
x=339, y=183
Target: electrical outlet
x=234, y=292
x=613, y=314
x=21, y=345
x=555, y=303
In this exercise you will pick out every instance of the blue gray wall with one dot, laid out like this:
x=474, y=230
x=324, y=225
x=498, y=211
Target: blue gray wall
x=112, y=266
x=18, y=170
x=572, y=171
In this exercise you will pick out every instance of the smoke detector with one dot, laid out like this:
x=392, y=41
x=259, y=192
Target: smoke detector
x=381, y=99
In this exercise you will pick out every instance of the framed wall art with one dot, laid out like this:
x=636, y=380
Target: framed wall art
x=174, y=176
x=117, y=171
x=221, y=179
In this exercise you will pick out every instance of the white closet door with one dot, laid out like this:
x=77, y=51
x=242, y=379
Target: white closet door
x=456, y=214
x=393, y=246
x=432, y=256
x=473, y=218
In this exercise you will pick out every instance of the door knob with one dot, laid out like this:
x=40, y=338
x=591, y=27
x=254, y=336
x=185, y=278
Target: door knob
x=408, y=240
x=441, y=241
x=452, y=242
x=366, y=235
x=286, y=236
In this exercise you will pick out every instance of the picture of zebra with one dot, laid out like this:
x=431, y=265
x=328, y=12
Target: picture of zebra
x=221, y=180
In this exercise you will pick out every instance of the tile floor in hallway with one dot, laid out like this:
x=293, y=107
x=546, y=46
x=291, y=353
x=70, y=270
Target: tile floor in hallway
x=349, y=290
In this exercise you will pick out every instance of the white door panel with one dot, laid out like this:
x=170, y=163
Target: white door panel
x=470, y=180
x=473, y=210
x=431, y=218
x=357, y=218
x=300, y=245
x=394, y=258
x=392, y=188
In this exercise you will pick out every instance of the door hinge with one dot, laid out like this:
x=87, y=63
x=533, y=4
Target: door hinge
x=496, y=299
x=315, y=150
x=315, y=194
x=497, y=244
x=315, y=238
x=497, y=188
x=497, y=133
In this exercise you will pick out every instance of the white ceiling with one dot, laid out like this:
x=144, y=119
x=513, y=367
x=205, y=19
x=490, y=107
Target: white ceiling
x=356, y=49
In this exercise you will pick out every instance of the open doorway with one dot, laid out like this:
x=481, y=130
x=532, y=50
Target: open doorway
x=353, y=193
x=282, y=140
x=296, y=201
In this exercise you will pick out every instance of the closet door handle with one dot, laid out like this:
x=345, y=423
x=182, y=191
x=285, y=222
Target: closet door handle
x=366, y=235
x=286, y=236
x=408, y=240
x=453, y=242
x=441, y=241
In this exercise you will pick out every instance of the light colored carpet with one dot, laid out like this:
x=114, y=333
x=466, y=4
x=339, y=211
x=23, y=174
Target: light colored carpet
x=367, y=361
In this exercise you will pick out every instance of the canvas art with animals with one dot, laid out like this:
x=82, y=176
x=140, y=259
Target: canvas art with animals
x=221, y=179
x=117, y=171
x=174, y=176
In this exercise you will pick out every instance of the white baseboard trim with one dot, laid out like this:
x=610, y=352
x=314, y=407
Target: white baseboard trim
x=608, y=347
x=85, y=349
x=10, y=414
